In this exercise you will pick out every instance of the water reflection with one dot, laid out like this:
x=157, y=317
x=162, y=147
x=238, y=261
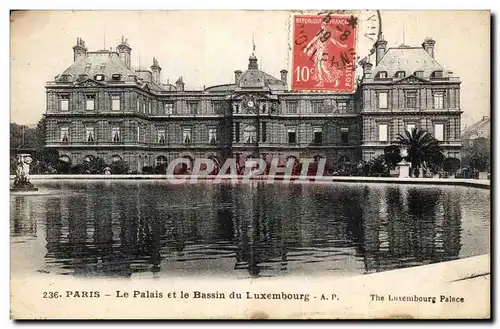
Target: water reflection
x=124, y=228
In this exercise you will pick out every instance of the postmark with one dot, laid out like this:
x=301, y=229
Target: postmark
x=324, y=52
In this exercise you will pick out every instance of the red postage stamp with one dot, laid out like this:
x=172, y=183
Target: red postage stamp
x=324, y=52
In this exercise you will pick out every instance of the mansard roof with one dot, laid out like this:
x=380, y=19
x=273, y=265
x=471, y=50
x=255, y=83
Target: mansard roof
x=99, y=62
x=409, y=60
x=107, y=63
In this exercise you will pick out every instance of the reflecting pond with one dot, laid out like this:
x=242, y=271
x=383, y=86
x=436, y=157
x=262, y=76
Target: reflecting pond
x=151, y=228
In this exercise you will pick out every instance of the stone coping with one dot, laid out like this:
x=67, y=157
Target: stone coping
x=479, y=183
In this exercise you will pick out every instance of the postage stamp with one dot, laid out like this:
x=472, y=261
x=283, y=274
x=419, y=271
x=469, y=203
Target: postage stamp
x=323, y=52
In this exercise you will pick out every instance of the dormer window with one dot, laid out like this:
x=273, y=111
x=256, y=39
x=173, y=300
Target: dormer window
x=82, y=77
x=400, y=74
x=419, y=74
x=99, y=77
x=382, y=75
x=66, y=78
x=116, y=77
x=437, y=74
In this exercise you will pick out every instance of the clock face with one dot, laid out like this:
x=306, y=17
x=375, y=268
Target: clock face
x=250, y=103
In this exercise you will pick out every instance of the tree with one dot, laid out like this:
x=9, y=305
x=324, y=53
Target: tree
x=119, y=167
x=423, y=150
x=392, y=156
x=95, y=165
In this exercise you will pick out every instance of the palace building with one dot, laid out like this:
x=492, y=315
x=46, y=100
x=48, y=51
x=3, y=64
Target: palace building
x=101, y=107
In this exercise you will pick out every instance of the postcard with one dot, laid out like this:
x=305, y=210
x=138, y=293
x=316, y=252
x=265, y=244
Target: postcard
x=301, y=164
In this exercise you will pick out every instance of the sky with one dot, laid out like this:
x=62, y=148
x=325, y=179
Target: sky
x=205, y=47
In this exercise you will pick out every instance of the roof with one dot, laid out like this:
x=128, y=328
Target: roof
x=108, y=63
x=408, y=59
x=476, y=125
x=169, y=87
x=226, y=87
x=99, y=62
x=256, y=78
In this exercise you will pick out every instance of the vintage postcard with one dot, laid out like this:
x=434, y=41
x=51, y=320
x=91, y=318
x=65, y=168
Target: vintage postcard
x=302, y=164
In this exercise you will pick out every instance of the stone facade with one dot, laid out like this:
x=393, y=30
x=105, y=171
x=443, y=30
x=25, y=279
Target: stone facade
x=408, y=88
x=100, y=107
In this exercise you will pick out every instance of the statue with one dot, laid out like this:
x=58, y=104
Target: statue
x=21, y=181
x=404, y=166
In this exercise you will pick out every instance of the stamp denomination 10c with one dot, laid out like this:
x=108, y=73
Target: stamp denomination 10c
x=324, y=52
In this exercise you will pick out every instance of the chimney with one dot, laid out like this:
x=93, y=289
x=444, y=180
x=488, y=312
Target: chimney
x=428, y=46
x=367, y=69
x=124, y=52
x=237, y=76
x=79, y=50
x=381, y=46
x=156, y=69
x=179, y=84
x=284, y=76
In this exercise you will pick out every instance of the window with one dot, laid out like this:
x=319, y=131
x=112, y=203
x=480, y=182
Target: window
x=138, y=133
x=400, y=74
x=411, y=99
x=116, y=77
x=115, y=134
x=236, y=107
x=186, y=135
x=410, y=127
x=263, y=107
x=293, y=107
x=419, y=74
x=292, y=135
x=115, y=102
x=149, y=107
x=138, y=105
x=66, y=78
x=237, y=132
x=169, y=108
x=89, y=102
x=64, y=102
x=439, y=100
x=439, y=131
x=344, y=135
x=250, y=134
x=342, y=106
x=316, y=107
x=264, y=132
x=161, y=136
x=212, y=136
x=318, y=136
x=64, y=134
x=382, y=100
x=218, y=107
x=437, y=74
x=382, y=75
x=144, y=107
x=193, y=108
x=382, y=132
x=90, y=134
x=99, y=77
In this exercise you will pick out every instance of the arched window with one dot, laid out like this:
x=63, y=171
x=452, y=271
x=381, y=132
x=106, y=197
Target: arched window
x=250, y=134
